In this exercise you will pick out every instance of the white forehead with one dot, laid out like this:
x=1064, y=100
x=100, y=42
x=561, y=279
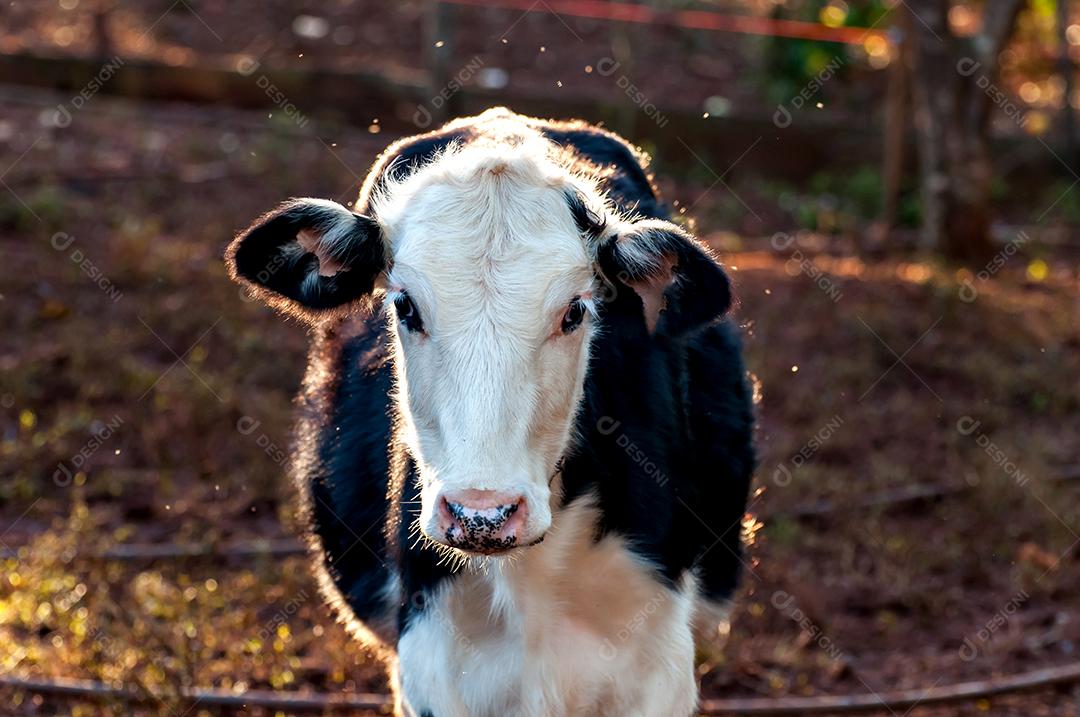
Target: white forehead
x=486, y=225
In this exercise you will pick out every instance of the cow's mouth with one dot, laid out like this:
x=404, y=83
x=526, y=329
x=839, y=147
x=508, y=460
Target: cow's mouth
x=494, y=549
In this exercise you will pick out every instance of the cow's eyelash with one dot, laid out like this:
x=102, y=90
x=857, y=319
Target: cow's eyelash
x=591, y=303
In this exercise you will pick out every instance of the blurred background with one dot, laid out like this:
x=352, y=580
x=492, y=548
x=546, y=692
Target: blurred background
x=894, y=186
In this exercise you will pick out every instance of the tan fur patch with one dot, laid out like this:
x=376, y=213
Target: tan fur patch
x=653, y=289
x=312, y=243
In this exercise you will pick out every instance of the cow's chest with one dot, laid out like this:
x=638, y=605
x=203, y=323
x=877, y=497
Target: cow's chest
x=573, y=627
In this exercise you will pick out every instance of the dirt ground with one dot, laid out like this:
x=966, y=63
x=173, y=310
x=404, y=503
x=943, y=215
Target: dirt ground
x=128, y=361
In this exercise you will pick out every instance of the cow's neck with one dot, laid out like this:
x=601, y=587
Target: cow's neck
x=573, y=579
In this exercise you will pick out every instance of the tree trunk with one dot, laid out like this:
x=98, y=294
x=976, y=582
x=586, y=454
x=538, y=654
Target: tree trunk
x=952, y=125
x=1068, y=73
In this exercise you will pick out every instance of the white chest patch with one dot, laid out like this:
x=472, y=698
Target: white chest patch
x=572, y=627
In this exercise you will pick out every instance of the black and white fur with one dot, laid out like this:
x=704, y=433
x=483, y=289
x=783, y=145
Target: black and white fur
x=629, y=438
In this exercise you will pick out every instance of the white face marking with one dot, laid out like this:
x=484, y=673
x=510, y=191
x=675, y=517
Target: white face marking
x=485, y=246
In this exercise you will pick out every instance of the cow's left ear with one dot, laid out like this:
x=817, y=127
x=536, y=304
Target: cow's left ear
x=681, y=286
x=308, y=256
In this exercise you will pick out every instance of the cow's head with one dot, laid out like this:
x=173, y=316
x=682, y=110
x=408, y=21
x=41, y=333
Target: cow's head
x=493, y=263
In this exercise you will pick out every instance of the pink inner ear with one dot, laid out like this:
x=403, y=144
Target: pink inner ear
x=652, y=290
x=312, y=243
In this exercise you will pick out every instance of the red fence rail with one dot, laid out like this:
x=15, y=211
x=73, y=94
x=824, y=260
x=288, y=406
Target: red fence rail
x=689, y=19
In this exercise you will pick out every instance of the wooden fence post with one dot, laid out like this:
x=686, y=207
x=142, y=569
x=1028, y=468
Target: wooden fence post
x=897, y=116
x=1067, y=70
x=440, y=52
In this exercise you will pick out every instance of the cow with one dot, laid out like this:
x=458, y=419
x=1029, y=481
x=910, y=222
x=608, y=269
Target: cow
x=524, y=441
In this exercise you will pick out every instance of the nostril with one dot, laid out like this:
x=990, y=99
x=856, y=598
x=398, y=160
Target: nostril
x=516, y=520
x=449, y=513
x=457, y=511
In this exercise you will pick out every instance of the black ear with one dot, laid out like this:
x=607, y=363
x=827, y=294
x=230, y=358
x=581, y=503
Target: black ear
x=308, y=255
x=681, y=287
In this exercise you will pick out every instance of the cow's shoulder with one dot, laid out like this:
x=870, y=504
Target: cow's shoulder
x=720, y=426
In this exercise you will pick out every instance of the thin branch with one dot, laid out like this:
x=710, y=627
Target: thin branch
x=267, y=699
x=896, y=702
x=155, y=551
x=882, y=499
x=896, y=496
x=752, y=707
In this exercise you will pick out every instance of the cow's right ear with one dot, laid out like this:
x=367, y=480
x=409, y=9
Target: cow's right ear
x=308, y=256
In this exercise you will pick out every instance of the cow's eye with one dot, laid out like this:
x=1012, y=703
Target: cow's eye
x=407, y=313
x=574, y=315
